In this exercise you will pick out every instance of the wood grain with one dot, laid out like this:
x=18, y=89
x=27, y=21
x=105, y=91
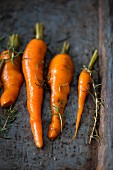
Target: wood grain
x=105, y=149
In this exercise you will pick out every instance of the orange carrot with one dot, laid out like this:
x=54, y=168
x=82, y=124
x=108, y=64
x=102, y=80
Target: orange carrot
x=11, y=75
x=83, y=89
x=32, y=64
x=60, y=75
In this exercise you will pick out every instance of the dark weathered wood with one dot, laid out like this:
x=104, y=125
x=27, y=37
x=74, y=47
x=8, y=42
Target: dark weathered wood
x=105, y=150
x=76, y=21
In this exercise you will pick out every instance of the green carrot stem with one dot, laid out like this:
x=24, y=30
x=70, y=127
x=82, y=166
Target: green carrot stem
x=13, y=42
x=93, y=59
x=65, y=48
x=39, y=31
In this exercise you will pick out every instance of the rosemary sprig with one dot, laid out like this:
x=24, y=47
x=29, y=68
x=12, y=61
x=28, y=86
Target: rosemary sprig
x=12, y=55
x=57, y=109
x=12, y=46
x=6, y=120
x=97, y=102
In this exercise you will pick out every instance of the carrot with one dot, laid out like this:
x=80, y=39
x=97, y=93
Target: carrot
x=83, y=89
x=32, y=65
x=11, y=75
x=60, y=75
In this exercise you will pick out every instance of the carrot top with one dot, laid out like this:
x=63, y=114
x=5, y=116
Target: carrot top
x=91, y=63
x=13, y=45
x=65, y=48
x=39, y=28
x=85, y=78
x=93, y=59
x=13, y=42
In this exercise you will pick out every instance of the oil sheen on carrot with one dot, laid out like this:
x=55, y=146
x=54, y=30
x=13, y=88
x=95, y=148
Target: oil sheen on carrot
x=11, y=75
x=60, y=75
x=83, y=89
x=32, y=65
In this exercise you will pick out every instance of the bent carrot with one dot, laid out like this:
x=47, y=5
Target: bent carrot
x=83, y=89
x=32, y=65
x=11, y=75
x=60, y=75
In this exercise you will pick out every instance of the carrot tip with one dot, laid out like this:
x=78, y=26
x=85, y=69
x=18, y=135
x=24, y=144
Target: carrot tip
x=74, y=136
x=5, y=102
x=38, y=145
x=53, y=133
x=36, y=127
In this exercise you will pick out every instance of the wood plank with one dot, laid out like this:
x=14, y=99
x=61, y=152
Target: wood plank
x=105, y=150
x=78, y=22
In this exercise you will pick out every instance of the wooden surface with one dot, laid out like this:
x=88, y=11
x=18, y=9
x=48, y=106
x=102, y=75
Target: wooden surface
x=85, y=24
x=105, y=149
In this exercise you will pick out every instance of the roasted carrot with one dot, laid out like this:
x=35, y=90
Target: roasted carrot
x=83, y=89
x=60, y=75
x=11, y=75
x=32, y=64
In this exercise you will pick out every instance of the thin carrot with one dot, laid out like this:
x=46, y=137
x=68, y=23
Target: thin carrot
x=83, y=89
x=32, y=64
x=11, y=75
x=60, y=75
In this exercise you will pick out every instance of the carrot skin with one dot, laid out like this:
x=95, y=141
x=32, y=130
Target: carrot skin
x=61, y=70
x=34, y=54
x=84, y=82
x=11, y=78
x=83, y=90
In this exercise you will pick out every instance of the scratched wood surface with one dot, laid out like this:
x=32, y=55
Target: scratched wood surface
x=77, y=22
x=105, y=149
